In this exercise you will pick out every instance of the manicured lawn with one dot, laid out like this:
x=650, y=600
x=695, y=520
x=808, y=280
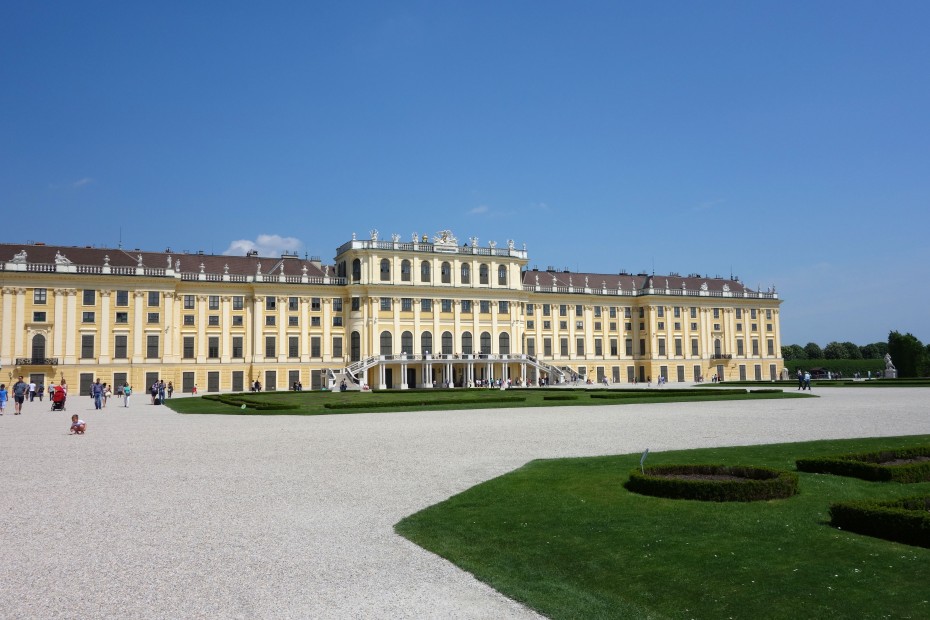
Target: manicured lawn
x=322, y=403
x=567, y=539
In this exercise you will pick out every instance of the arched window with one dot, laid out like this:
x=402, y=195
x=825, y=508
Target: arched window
x=386, y=343
x=485, y=343
x=717, y=347
x=503, y=344
x=502, y=275
x=447, y=343
x=385, y=270
x=426, y=343
x=483, y=274
x=466, y=274
x=38, y=347
x=356, y=270
x=466, y=343
x=424, y=271
x=355, y=347
x=406, y=342
x=445, y=272
x=405, y=270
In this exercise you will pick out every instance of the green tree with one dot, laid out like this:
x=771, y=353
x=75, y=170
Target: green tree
x=907, y=353
x=793, y=352
x=813, y=350
x=870, y=352
x=852, y=351
x=834, y=351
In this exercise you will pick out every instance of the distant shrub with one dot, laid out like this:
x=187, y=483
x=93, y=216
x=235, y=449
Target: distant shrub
x=873, y=466
x=714, y=483
x=902, y=520
x=561, y=397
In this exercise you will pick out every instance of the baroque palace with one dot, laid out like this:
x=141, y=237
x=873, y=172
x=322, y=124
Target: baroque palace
x=389, y=314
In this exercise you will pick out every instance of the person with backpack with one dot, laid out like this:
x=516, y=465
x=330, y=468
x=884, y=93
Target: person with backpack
x=20, y=388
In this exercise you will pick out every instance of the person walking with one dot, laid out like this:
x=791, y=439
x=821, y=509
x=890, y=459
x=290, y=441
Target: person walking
x=800, y=379
x=127, y=392
x=96, y=392
x=20, y=389
x=32, y=391
x=807, y=380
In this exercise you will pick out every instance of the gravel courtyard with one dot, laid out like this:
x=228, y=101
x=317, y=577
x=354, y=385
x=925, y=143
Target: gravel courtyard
x=153, y=514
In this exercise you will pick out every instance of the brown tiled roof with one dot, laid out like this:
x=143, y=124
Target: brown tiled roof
x=212, y=263
x=628, y=282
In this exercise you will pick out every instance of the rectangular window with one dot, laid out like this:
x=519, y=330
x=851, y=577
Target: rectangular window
x=660, y=311
x=188, y=346
x=628, y=326
x=768, y=327
x=122, y=317
x=122, y=298
x=579, y=310
x=598, y=347
x=406, y=304
x=153, y=317
x=563, y=347
x=530, y=308
x=739, y=327
x=739, y=313
x=337, y=304
x=579, y=346
x=642, y=346
x=694, y=326
x=446, y=305
x=503, y=307
x=677, y=312
x=293, y=321
x=628, y=344
x=579, y=324
x=614, y=351
x=563, y=310
x=485, y=306
x=642, y=313
x=613, y=312
x=337, y=321
x=597, y=326
x=188, y=302
x=693, y=312
x=466, y=306
x=90, y=297
x=269, y=320
x=237, y=347
x=628, y=313
x=386, y=304
x=755, y=347
x=213, y=302
x=547, y=324
x=531, y=324
x=770, y=346
x=716, y=327
x=678, y=347
x=563, y=324
x=87, y=317
x=694, y=347
x=87, y=346
x=337, y=346
x=153, y=300
x=716, y=313
x=238, y=302
x=314, y=304
x=315, y=347
x=597, y=312
x=426, y=305
x=356, y=304
x=547, y=347
x=531, y=346
x=661, y=346
x=213, y=320
x=768, y=314
x=547, y=310
x=661, y=325
x=38, y=317
x=40, y=295
x=752, y=314
x=151, y=346
x=271, y=303
x=755, y=327
x=271, y=349
x=314, y=321
x=120, y=344
x=677, y=326
x=293, y=304
x=293, y=346
x=740, y=349
x=237, y=320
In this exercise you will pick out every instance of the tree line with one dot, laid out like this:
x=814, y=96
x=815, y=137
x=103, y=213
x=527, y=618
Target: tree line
x=909, y=355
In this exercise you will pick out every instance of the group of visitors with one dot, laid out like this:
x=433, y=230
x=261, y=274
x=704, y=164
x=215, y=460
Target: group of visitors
x=804, y=380
x=160, y=389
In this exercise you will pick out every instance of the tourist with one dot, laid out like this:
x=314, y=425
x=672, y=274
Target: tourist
x=20, y=389
x=40, y=390
x=107, y=393
x=78, y=426
x=170, y=389
x=807, y=380
x=153, y=392
x=32, y=391
x=127, y=392
x=161, y=391
x=3, y=397
x=96, y=392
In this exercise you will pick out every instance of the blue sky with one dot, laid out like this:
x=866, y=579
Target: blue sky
x=785, y=142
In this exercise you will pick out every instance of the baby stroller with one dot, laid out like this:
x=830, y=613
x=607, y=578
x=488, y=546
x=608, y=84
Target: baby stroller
x=58, y=399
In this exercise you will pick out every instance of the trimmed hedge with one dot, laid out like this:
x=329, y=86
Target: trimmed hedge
x=904, y=520
x=756, y=483
x=868, y=465
x=237, y=400
x=652, y=393
x=422, y=403
x=561, y=397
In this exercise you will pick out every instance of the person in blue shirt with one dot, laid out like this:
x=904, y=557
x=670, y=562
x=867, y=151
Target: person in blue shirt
x=96, y=391
x=4, y=396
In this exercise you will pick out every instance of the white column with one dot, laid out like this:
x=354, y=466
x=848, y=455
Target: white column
x=167, y=353
x=138, y=350
x=105, y=327
x=258, y=350
x=19, y=324
x=201, y=329
x=6, y=337
x=225, y=318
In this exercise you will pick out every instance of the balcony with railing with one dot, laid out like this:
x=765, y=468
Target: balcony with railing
x=36, y=361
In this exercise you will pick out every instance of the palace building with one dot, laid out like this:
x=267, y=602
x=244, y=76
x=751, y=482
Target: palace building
x=389, y=314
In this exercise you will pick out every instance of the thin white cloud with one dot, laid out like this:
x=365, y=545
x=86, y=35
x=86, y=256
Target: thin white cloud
x=707, y=205
x=479, y=210
x=82, y=183
x=265, y=245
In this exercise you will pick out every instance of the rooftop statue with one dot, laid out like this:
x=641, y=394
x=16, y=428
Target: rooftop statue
x=19, y=257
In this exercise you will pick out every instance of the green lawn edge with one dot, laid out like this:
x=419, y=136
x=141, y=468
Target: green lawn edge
x=565, y=538
x=314, y=403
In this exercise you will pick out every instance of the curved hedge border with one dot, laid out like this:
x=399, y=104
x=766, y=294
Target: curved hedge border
x=237, y=400
x=868, y=465
x=758, y=483
x=904, y=520
x=421, y=403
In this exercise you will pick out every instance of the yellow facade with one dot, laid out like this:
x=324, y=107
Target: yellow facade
x=389, y=314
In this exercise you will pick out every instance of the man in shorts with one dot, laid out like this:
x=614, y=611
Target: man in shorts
x=20, y=389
